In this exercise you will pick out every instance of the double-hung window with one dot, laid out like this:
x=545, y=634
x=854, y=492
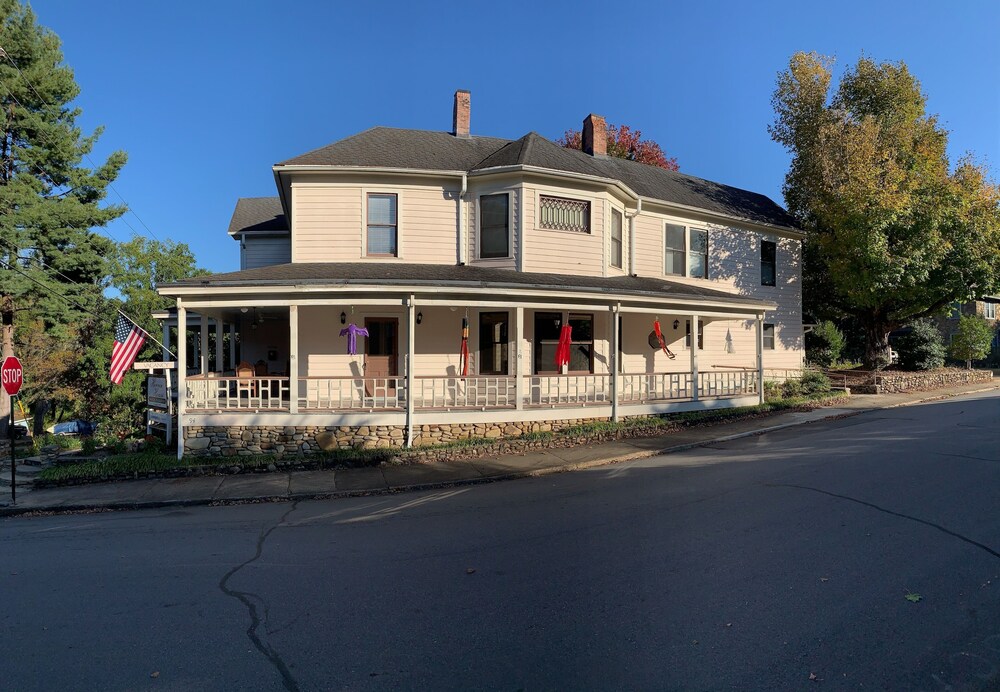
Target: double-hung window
x=768, y=337
x=990, y=310
x=698, y=254
x=382, y=224
x=493, y=345
x=548, y=326
x=768, y=262
x=675, y=250
x=685, y=251
x=701, y=334
x=616, y=238
x=494, y=226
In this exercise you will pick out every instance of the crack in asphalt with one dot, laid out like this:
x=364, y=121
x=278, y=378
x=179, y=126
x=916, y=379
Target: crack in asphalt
x=967, y=456
x=940, y=528
x=247, y=599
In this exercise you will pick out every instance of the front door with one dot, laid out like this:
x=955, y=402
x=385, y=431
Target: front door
x=381, y=352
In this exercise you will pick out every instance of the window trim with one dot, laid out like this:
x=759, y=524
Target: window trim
x=479, y=346
x=564, y=317
x=989, y=310
x=701, y=334
x=479, y=226
x=764, y=242
x=540, y=195
x=621, y=238
x=688, y=228
x=763, y=336
x=367, y=195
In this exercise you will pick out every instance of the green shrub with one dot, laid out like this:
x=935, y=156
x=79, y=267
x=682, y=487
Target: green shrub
x=772, y=390
x=921, y=349
x=791, y=388
x=824, y=344
x=89, y=446
x=971, y=340
x=814, y=383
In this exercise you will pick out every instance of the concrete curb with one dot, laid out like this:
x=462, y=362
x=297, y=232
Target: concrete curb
x=514, y=475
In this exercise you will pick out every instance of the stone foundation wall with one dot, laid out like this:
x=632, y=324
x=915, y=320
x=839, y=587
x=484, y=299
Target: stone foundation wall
x=238, y=440
x=889, y=382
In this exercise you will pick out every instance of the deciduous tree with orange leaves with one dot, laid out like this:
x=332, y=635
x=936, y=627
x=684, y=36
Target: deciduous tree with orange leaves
x=625, y=143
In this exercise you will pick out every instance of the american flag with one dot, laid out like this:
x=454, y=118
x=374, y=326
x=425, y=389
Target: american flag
x=128, y=340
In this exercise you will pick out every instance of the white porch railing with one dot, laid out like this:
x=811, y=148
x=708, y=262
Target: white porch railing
x=249, y=393
x=480, y=392
x=727, y=383
x=465, y=392
x=352, y=393
x=638, y=388
x=550, y=390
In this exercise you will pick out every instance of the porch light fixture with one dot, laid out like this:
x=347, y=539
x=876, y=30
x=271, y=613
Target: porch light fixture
x=343, y=318
x=677, y=323
x=420, y=317
x=244, y=310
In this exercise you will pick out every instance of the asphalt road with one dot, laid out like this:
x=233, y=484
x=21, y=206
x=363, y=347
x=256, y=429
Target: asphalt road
x=779, y=562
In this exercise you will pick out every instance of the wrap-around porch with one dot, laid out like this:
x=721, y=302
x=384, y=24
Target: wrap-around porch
x=429, y=359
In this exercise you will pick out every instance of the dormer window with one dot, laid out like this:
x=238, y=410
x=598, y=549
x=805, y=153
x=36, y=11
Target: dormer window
x=561, y=214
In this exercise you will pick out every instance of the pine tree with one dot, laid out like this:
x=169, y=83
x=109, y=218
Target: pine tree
x=49, y=200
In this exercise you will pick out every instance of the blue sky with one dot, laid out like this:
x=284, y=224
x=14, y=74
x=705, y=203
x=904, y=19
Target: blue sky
x=206, y=96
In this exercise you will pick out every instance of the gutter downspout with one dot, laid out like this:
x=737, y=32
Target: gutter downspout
x=631, y=235
x=462, y=243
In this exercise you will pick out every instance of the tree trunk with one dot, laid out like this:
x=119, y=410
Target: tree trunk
x=876, y=342
x=38, y=412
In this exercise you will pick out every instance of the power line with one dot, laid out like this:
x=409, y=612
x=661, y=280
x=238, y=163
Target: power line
x=86, y=310
x=16, y=250
x=128, y=207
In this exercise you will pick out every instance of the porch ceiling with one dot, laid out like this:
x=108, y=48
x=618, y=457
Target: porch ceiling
x=391, y=278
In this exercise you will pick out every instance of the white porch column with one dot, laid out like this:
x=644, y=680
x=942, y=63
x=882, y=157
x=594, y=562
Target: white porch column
x=232, y=346
x=411, y=324
x=518, y=361
x=181, y=375
x=203, y=354
x=613, y=359
x=166, y=340
x=694, y=357
x=218, y=345
x=760, y=358
x=293, y=358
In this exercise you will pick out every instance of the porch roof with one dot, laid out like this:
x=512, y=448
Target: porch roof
x=400, y=278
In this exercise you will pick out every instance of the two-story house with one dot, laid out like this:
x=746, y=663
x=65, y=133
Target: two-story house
x=504, y=286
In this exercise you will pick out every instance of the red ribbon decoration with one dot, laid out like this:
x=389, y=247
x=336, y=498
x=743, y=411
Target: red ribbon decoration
x=463, y=354
x=663, y=342
x=563, y=349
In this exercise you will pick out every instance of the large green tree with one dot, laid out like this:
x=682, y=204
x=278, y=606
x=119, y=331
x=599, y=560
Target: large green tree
x=894, y=232
x=49, y=199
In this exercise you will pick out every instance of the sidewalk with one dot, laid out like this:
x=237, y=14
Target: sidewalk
x=299, y=485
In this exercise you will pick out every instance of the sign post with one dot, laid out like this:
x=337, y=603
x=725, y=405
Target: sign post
x=12, y=377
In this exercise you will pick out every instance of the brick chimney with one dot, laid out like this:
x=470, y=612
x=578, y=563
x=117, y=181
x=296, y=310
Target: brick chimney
x=595, y=135
x=463, y=107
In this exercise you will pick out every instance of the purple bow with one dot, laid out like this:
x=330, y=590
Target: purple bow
x=352, y=331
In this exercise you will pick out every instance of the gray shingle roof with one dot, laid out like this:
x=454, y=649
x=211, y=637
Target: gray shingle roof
x=258, y=214
x=383, y=147
x=385, y=275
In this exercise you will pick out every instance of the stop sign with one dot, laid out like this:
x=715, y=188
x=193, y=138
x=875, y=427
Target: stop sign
x=11, y=375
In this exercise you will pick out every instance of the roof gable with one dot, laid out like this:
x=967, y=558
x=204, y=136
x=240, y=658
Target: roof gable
x=258, y=214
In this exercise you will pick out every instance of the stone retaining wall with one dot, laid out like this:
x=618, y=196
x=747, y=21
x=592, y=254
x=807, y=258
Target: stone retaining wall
x=890, y=382
x=239, y=440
